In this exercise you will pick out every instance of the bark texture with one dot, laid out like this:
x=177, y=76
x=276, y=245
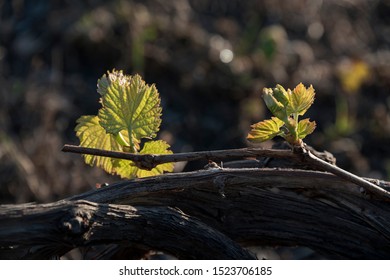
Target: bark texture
x=208, y=214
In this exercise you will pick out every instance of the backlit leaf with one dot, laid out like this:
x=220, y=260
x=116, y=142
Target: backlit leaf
x=281, y=95
x=93, y=135
x=277, y=108
x=286, y=106
x=129, y=105
x=130, y=111
x=265, y=130
x=128, y=169
x=305, y=127
x=300, y=99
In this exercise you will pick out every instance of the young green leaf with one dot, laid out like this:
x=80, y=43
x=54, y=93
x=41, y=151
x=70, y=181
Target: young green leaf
x=265, y=130
x=300, y=99
x=277, y=108
x=130, y=111
x=93, y=135
x=107, y=79
x=305, y=127
x=128, y=169
x=129, y=105
x=286, y=106
x=281, y=95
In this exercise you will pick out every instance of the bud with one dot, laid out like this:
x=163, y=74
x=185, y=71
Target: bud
x=276, y=107
x=281, y=95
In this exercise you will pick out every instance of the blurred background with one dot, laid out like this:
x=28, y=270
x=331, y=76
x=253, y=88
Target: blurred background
x=209, y=61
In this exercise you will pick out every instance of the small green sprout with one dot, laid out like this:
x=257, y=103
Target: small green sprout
x=286, y=106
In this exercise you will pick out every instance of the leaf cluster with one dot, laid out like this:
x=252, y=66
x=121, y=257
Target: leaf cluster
x=130, y=112
x=286, y=106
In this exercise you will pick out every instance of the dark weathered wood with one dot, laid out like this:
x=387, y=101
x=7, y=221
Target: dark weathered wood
x=149, y=161
x=263, y=207
x=302, y=154
x=43, y=231
x=250, y=206
x=366, y=185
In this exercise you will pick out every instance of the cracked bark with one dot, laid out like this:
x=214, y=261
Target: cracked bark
x=44, y=231
x=247, y=206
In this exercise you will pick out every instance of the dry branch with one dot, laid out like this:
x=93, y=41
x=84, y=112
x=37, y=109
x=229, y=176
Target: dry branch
x=265, y=207
x=44, y=231
x=149, y=161
x=303, y=154
x=250, y=206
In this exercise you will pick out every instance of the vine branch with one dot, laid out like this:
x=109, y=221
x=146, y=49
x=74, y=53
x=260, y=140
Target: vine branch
x=149, y=161
x=323, y=165
x=300, y=154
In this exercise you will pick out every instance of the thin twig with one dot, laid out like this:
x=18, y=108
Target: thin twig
x=301, y=154
x=149, y=161
x=315, y=161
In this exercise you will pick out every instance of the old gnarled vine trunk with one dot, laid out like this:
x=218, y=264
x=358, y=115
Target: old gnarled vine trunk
x=207, y=214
